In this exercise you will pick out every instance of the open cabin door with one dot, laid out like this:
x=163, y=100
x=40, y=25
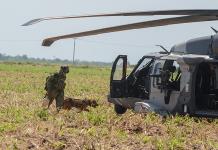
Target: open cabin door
x=139, y=79
x=118, y=83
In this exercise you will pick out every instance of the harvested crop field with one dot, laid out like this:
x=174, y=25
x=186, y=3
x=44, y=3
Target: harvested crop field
x=25, y=125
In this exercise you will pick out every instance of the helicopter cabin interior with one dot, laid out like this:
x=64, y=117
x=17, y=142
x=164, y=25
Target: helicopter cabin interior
x=206, y=86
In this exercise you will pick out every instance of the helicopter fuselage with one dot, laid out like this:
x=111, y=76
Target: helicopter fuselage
x=184, y=81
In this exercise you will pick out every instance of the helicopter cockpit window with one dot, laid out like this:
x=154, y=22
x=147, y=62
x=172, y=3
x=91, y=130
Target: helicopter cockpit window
x=118, y=74
x=145, y=63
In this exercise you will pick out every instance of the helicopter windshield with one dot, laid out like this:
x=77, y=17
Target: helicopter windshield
x=142, y=64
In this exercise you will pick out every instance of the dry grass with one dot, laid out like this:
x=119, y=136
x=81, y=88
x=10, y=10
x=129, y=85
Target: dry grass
x=25, y=125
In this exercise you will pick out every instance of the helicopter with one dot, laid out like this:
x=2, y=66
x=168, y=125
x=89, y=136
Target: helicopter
x=181, y=81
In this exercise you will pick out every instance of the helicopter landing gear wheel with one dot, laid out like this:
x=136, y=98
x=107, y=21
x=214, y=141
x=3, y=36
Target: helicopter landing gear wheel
x=119, y=109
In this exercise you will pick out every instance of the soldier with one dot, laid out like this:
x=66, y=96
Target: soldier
x=54, y=87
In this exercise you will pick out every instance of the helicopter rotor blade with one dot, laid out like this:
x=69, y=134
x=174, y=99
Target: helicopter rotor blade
x=203, y=12
x=139, y=25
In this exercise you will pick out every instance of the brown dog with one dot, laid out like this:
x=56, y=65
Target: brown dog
x=69, y=103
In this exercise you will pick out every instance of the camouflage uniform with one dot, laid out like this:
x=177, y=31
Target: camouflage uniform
x=54, y=87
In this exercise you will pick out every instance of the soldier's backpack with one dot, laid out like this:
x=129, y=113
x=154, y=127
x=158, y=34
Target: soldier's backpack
x=51, y=81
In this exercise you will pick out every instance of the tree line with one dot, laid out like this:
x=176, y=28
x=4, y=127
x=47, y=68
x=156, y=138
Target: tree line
x=26, y=59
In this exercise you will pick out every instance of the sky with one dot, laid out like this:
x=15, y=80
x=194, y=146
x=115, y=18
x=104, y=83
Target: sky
x=19, y=40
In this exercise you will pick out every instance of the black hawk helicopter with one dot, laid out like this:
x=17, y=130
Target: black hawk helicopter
x=183, y=80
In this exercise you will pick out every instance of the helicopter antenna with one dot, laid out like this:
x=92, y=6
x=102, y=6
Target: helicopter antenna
x=163, y=48
x=214, y=29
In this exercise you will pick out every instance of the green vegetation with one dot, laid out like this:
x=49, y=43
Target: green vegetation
x=25, y=125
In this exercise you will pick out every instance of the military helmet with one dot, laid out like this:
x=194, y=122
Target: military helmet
x=65, y=69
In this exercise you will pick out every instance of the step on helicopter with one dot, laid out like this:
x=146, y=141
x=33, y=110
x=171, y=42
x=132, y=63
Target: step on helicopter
x=182, y=81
